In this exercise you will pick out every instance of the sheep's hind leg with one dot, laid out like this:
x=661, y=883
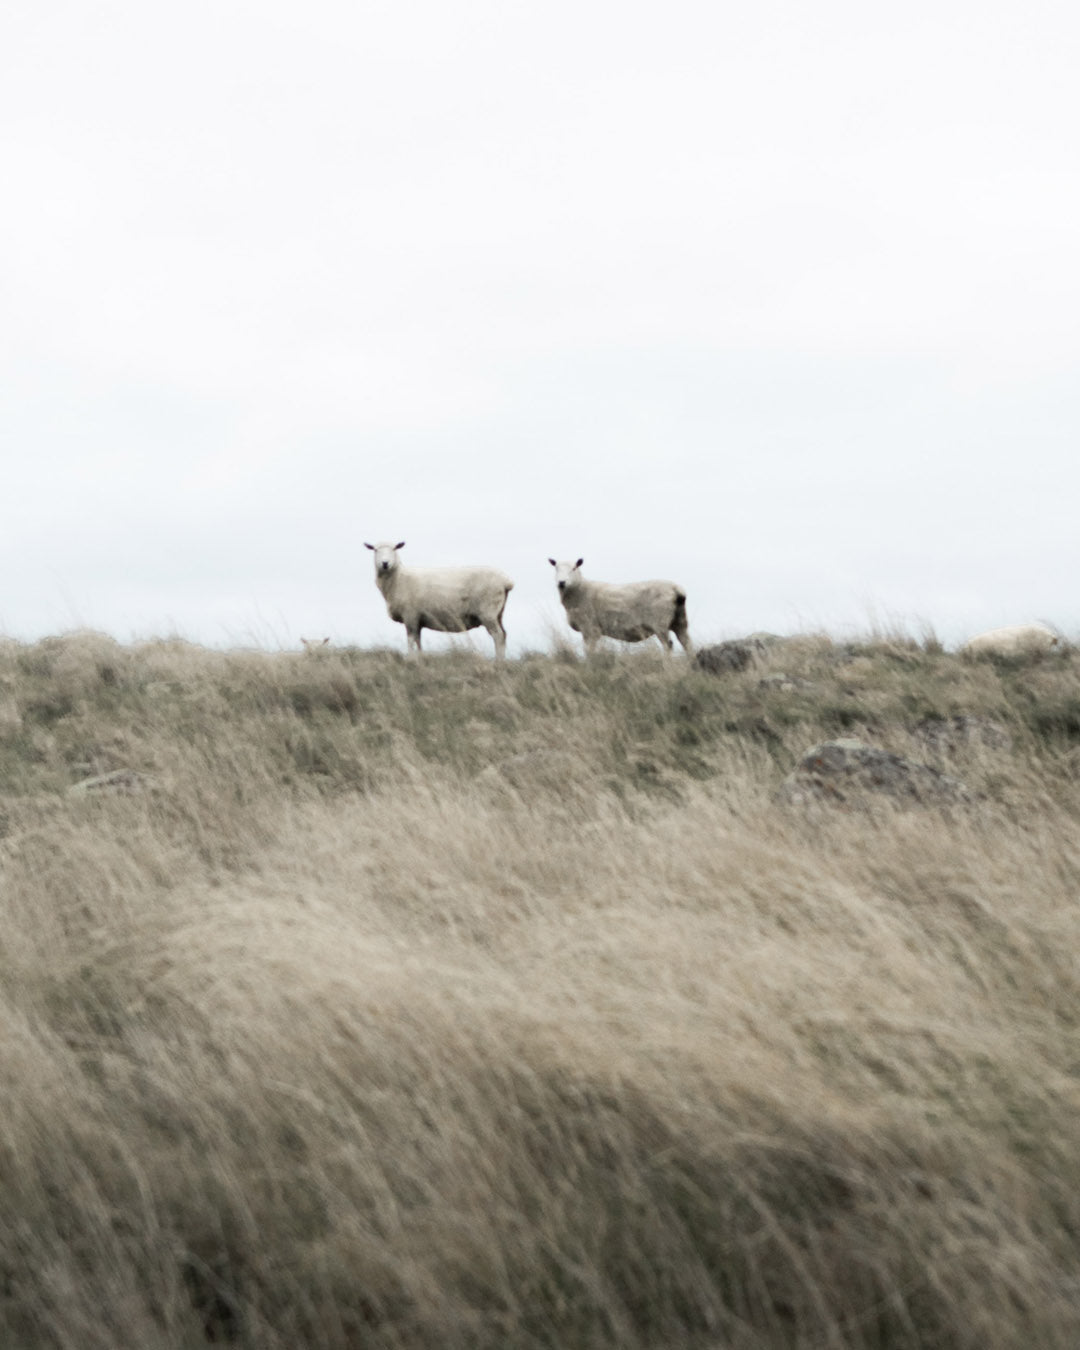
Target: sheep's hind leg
x=681, y=629
x=498, y=635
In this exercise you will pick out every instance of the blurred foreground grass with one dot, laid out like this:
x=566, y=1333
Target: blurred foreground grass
x=380, y=1003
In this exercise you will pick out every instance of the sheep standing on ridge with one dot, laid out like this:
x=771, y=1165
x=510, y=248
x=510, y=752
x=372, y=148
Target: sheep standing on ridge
x=1024, y=639
x=444, y=599
x=631, y=613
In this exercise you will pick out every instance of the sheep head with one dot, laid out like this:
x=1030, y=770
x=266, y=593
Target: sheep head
x=567, y=574
x=386, y=559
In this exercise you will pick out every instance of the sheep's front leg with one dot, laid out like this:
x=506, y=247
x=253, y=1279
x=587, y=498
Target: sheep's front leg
x=414, y=640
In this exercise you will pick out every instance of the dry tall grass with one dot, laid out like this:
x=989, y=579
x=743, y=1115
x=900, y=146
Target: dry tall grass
x=444, y=1004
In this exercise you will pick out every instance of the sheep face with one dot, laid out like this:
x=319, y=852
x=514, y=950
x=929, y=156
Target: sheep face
x=567, y=574
x=386, y=557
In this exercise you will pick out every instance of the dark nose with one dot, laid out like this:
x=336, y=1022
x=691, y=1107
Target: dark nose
x=562, y=585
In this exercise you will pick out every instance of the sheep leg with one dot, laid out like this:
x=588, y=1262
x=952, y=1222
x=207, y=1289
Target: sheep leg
x=681, y=628
x=414, y=640
x=498, y=636
x=665, y=642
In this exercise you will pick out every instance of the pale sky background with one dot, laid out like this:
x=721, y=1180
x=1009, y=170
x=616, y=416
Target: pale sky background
x=778, y=300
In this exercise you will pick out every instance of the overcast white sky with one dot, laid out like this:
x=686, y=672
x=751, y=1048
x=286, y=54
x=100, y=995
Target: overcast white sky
x=779, y=300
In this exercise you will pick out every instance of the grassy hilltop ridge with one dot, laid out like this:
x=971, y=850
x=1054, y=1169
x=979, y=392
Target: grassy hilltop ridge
x=386, y=1003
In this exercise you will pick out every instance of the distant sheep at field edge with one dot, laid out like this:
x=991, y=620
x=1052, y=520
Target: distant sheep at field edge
x=444, y=599
x=1019, y=640
x=631, y=613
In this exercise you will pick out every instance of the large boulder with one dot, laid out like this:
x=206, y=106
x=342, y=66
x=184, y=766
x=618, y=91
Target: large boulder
x=850, y=774
x=723, y=657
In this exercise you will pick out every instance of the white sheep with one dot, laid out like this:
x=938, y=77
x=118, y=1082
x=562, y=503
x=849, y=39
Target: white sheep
x=1021, y=639
x=444, y=599
x=632, y=613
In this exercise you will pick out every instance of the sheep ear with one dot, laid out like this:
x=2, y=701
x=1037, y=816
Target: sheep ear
x=579, y=562
x=401, y=545
x=553, y=562
x=370, y=546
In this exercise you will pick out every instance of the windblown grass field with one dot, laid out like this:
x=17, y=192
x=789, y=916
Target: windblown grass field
x=356, y=1002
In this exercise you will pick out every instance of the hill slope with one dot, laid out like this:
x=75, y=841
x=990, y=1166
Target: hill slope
x=356, y=1002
